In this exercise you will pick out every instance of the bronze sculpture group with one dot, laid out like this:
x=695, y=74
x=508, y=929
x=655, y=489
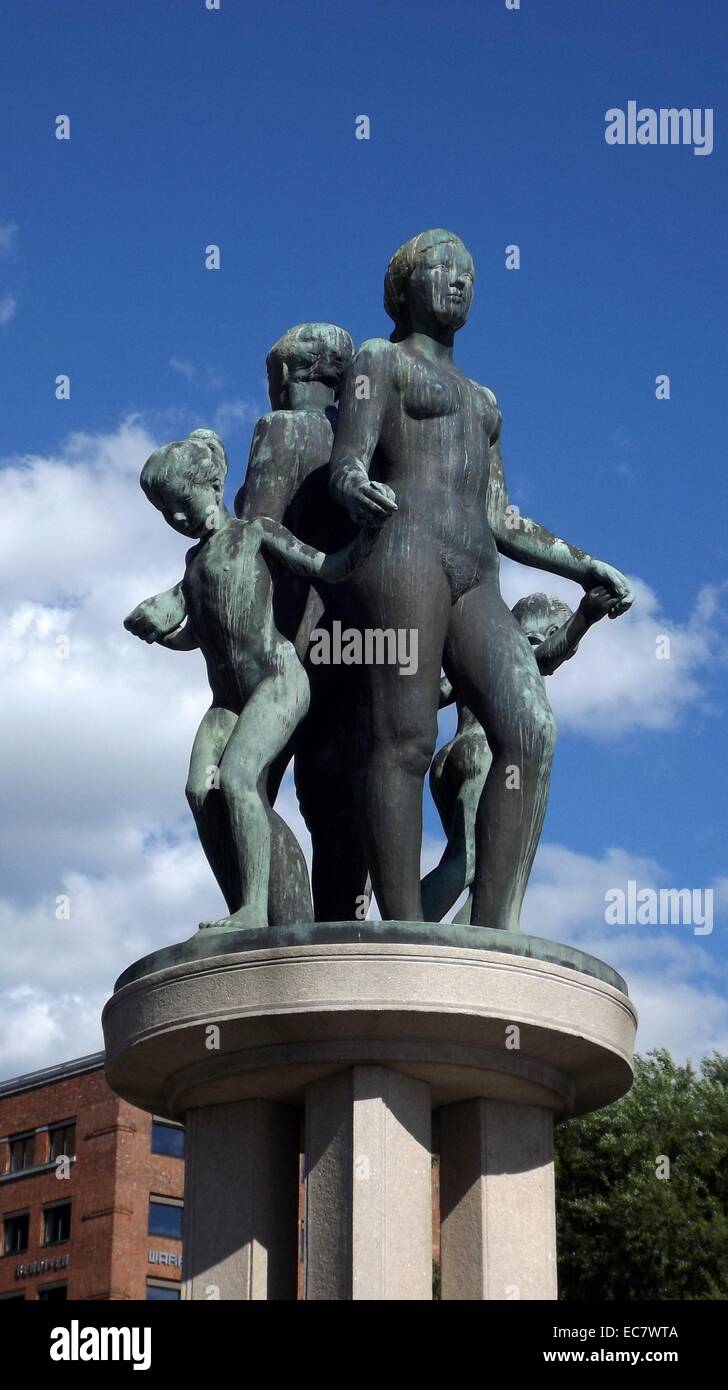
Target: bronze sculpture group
x=386, y=511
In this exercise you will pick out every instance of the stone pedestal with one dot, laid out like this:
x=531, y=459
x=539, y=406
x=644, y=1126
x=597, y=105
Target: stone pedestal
x=368, y=1226
x=497, y=1213
x=241, y=1201
x=368, y=1028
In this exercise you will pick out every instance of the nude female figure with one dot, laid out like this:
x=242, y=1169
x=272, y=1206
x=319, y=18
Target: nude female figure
x=410, y=420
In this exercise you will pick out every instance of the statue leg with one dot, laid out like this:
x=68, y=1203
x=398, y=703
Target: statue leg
x=490, y=661
x=206, y=802
x=289, y=887
x=457, y=778
x=402, y=733
x=262, y=730
x=329, y=782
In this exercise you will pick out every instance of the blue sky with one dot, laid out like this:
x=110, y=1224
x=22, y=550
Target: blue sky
x=237, y=127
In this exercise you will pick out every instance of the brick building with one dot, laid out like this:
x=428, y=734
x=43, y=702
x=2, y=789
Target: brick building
x=90, y=1190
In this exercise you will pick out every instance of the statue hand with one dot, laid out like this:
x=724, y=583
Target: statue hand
x=142, y=623
x=369, y=503
x=596, y=603
x=599, y=574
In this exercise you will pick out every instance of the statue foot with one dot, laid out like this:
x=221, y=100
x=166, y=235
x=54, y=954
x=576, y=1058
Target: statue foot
x=237, y=921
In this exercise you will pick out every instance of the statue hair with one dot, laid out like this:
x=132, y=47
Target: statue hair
x=200, y=458
x=311, y=352
x=542, y=605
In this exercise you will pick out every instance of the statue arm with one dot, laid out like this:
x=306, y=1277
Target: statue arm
x=332, y=568
x=562, y=644
x=361, y=411
x=183, y=639
x=520, y=538
x=157, y=616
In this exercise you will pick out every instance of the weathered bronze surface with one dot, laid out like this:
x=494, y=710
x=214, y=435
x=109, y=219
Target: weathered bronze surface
x=384, y=516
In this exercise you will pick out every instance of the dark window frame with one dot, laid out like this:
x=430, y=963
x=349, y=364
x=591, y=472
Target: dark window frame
x=168, y=1291
x=27, y=1139
x=68, y=1126
x=48, y=1293
x=48, y=1212
x=156, y=1200
x=177, y=1130
x=16, y=1216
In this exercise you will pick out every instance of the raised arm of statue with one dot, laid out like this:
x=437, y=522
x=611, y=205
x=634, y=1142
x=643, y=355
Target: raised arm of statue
x=560, y=645
x=525, y=540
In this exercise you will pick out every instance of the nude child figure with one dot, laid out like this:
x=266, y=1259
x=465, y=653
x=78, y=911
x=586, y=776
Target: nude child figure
x=260, y=690
x=460, y=767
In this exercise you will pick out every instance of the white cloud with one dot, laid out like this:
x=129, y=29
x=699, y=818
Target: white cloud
x=617, y=682
x=8, y=305
x=676, y=979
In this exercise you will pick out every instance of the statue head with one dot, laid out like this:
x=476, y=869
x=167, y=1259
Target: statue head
x=320, y=352
x=429, y=284
x=185, y=481
x=540, y=615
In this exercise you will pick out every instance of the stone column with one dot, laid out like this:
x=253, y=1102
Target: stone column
x=368, y=1223
x=498, y=1226
x=241, y=1201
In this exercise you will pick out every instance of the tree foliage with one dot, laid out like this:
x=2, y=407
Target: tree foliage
x=623, y=1231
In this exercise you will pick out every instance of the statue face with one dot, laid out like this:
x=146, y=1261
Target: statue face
x=539, y=626
x=186, y=507
x=439, y=292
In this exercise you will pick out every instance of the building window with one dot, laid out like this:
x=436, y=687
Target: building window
x=50, y=1292
x=165, y=1217
x=61, y=1140
x=12, y=1297
x=162, y=1289
x=168, y=1139
x=56, y=1223
x=15, y=1233
x=22, y=1149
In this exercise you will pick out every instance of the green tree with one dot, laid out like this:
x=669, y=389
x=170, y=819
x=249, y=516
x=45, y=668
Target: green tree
x=623, y=1231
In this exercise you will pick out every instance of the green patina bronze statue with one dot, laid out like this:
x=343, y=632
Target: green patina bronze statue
x=417, y=445
x=287, y=480
x=409, y=420
x=259, y=687
x=460, y=767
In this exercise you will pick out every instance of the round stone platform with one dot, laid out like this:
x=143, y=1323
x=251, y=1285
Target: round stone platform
x=368, y=1030
x=472, y=1011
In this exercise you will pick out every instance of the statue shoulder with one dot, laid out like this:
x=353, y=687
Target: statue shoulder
x=484, y=392
x=490, y=409
x=273, y=424
x=377, y=358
